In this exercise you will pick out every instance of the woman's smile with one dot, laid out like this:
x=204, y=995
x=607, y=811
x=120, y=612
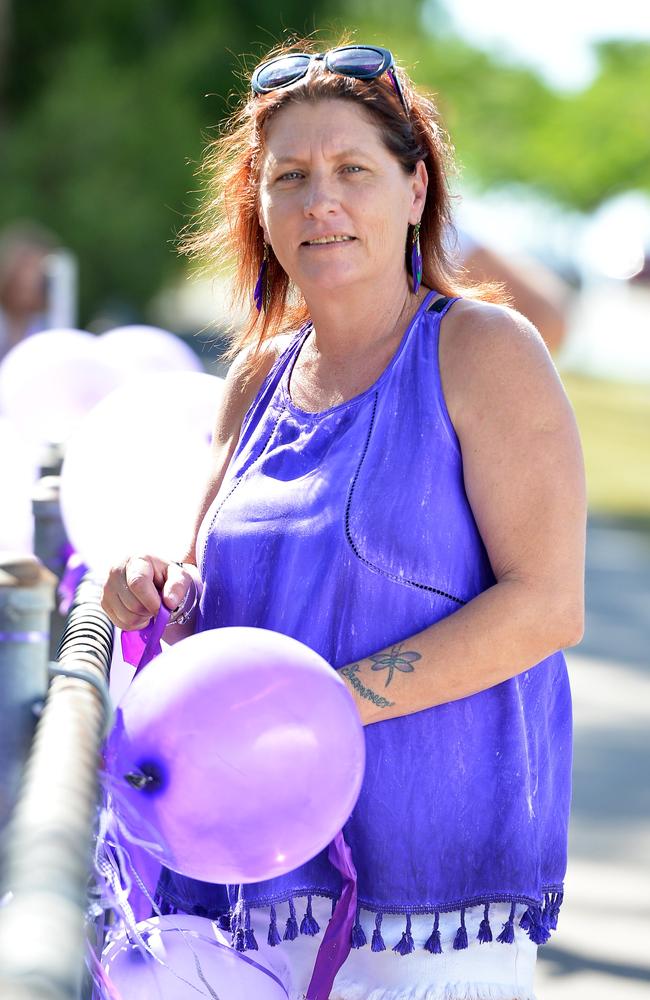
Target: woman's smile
x=328, y=244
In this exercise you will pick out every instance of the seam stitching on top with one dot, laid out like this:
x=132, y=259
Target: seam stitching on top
x=230, y=492
x=422, y=909
x=348, y=533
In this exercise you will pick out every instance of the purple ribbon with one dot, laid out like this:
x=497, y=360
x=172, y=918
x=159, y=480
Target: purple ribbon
x=139, y=648
x=337, y=939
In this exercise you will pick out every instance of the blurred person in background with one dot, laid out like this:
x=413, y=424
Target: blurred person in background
x=24, y=308
x=540, y=294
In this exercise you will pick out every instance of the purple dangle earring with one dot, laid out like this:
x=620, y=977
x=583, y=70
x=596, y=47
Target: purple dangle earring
x=262, y=292
x=416, y=259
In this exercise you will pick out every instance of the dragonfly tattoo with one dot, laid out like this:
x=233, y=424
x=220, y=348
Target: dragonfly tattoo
x=395, y=660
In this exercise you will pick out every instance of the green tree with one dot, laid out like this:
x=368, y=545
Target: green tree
x=105, y=107
x=508, y=125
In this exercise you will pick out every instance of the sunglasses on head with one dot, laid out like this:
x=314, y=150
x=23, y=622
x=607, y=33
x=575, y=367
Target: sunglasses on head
x=363, y=62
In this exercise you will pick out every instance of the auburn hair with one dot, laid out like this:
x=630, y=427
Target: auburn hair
x=226, y=229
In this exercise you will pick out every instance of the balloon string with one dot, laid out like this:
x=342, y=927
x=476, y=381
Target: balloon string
x=113, y=879
x=140, y=647
x=126, y=812
x=134, y=932
x=186, y=932
x=100, y=977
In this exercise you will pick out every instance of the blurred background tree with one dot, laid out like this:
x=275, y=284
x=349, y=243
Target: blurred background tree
x=104, y=112
x=105, y=107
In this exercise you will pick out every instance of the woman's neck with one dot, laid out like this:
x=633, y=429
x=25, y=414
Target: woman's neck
x=353, y=322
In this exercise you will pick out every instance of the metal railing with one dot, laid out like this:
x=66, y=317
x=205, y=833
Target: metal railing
x=47, y=842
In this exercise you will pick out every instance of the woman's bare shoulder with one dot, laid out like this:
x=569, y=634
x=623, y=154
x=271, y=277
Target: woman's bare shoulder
x=246, y=374
x=484, y=345
x=281, y=341
x=253, y=362
x=474, y=324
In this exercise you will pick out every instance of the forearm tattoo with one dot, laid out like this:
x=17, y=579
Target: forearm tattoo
x=351, y=673
x=395, y=660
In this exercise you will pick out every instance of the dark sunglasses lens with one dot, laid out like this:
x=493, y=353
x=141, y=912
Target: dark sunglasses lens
x=357, y=62
x=282, y=72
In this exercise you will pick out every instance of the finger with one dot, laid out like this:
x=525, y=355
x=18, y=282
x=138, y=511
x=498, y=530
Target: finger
x=127, y=620
x=130, y=601
x=108, y=605
x=176, y=586
x=140, y=579
x=117, y=594
x=122, y=617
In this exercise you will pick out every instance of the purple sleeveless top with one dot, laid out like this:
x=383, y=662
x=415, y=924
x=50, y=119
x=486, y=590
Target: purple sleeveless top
x=350, y=530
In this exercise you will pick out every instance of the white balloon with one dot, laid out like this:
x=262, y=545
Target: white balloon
x=188, y=952
x=19, y=470
x=142, y=350
x=50, y=379
x=135, y=468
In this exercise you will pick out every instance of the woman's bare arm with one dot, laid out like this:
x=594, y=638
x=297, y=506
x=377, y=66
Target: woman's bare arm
x=524, y=478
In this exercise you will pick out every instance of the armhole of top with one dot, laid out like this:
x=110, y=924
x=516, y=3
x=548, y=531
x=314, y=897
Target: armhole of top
x=441, y=306
x=266, y=382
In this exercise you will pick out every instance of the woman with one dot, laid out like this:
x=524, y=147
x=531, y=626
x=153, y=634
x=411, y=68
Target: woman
x=399, y=485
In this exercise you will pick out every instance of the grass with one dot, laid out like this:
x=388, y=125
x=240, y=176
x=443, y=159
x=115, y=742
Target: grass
x=614, y=423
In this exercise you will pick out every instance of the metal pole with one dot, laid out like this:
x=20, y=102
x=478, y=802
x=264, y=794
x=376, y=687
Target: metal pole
x=48, y=842
x=26, y=599
x=50, y=541
x=51, y=459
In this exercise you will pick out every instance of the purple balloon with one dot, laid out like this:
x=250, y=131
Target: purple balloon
x=242, y=749
x=189, y=952
x=142, y=350
x=50, y=380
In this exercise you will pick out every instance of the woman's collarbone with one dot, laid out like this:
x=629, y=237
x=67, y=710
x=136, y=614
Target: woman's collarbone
x=313, y=388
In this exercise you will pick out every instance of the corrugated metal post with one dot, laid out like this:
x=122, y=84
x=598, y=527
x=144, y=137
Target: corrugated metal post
x=48, y=843
x=26, y=599
x=51, y=459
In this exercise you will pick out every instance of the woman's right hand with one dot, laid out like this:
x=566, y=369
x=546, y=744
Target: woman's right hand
x=135, y=588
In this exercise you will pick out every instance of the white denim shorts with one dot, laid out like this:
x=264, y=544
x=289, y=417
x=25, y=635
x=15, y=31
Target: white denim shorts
x=482, y=971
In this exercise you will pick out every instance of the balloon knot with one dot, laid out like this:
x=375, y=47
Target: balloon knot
x=147, y=778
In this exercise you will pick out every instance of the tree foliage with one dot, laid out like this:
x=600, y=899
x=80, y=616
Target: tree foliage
x=105, y=108
x=508, y=125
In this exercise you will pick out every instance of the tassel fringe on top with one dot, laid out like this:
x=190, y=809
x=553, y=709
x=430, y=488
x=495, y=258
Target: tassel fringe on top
x=537, y=920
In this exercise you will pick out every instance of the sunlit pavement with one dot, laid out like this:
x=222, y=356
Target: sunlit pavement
x=601, y=948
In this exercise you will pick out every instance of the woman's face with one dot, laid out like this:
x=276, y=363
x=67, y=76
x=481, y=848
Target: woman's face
x=325, y=172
